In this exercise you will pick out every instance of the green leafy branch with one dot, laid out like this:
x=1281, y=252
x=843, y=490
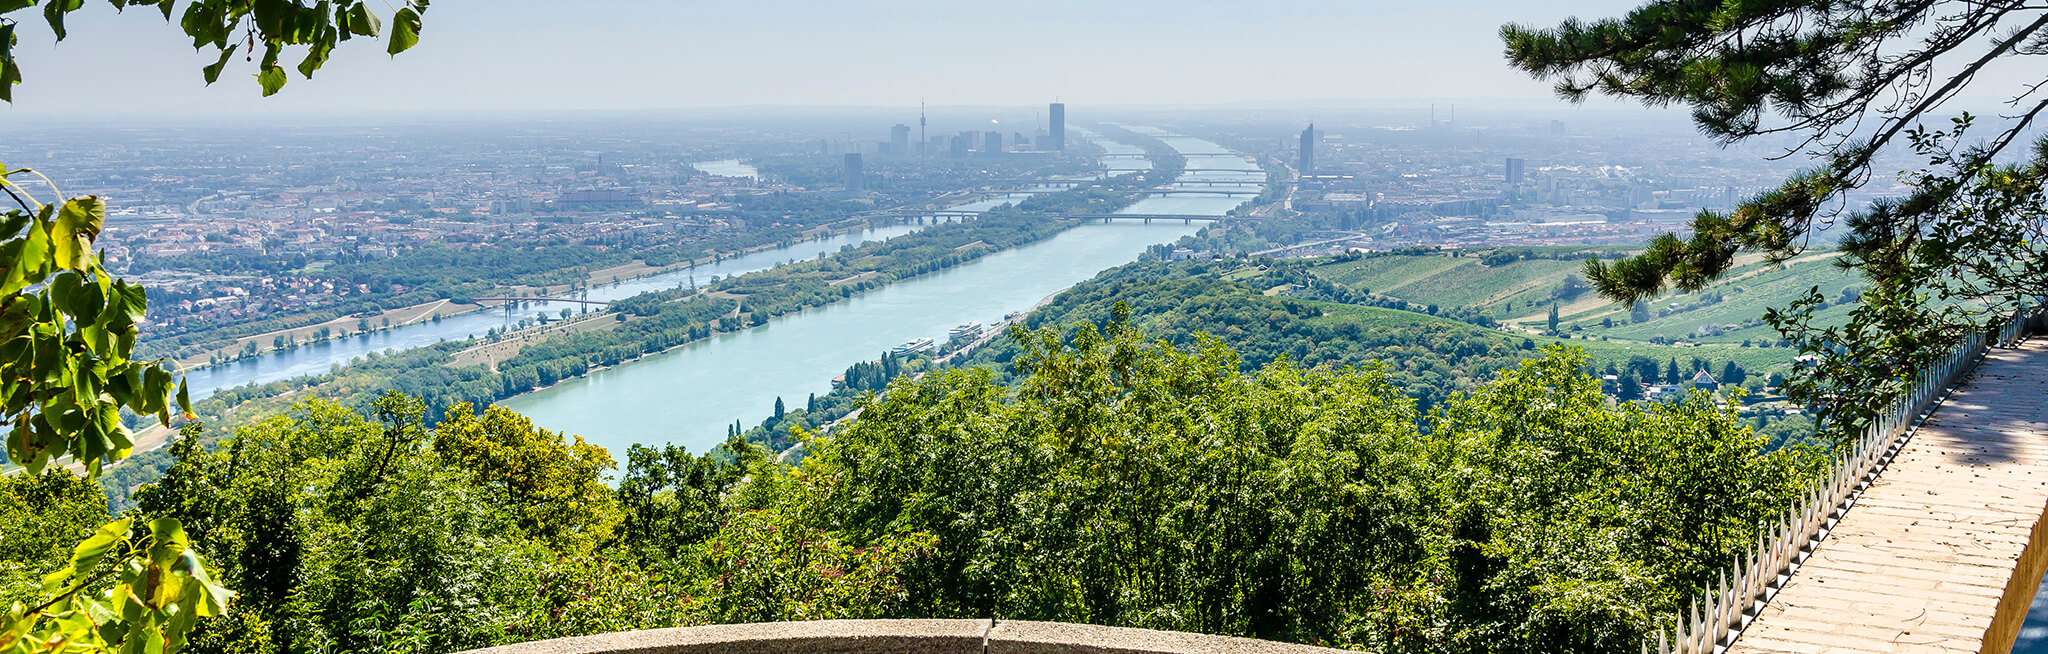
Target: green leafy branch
x=67, y=331
x=160, y=591
x=239, y=26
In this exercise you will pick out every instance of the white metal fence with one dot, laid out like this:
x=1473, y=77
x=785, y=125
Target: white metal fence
x=1711, y=624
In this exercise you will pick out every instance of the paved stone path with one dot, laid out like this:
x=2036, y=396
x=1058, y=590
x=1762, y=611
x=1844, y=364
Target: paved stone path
x=1943, y=552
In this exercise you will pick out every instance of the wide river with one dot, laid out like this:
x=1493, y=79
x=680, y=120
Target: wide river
x=688, y=395
x=318, y=358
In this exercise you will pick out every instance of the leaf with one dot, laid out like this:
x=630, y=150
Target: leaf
x=54, y=13
x=86, y=304
x=212, y=70
x=12, y=222
x=184, y=399
x=28, y=262
x=130, y=298
x=155, y=385
x=272, y=78
x=78, y=224
x=405, y=30
x=10, y=74
x=316, y=56
x=88, y=553
x=363, y=23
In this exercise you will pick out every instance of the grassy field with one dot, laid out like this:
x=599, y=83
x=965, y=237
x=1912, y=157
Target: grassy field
x=1522, y=292
x=1744, y=299
x=1754, y=359
x=1455, y=281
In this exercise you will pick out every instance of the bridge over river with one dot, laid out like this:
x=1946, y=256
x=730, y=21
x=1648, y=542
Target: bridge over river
x=1935, y=541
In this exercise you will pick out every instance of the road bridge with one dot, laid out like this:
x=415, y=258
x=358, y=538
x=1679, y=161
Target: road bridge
x=540, y=299
x=1930, y=537
x=1075, y=216
x=1163, y=192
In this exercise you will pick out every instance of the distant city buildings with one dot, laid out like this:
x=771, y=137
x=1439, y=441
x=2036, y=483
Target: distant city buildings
x=599, y=199
x=1515, y=169
x=899, y=140
x=854, y=181
x=1059, y=127
x=1308, y=150
x=992, y=143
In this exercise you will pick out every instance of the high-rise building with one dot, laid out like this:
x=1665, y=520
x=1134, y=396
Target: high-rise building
x=899, y=139
x=1059, y=127
x=1515, y=168
x=1308, y=150
x=961, y=144
x=854, y=181
x=992, y=142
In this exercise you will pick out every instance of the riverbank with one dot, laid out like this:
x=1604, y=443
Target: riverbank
x=683, y=395
x=268, y=343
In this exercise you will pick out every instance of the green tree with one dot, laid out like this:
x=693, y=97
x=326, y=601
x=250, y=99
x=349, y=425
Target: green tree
x=1552, y=323
x=555, y=487
x=1850, y=83
x=344, y=533
x=43, y=515
x=1629, y=388
x=1733, y=374
x=1131, y=482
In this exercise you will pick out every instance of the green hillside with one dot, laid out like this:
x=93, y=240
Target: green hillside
x=1739, y=301
x=1509, y=289
x=1429, y=357
x=1521, y=292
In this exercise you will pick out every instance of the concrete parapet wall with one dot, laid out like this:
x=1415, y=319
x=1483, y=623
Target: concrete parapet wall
x=904, y=636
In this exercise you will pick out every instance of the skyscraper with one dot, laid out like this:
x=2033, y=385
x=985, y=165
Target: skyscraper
x=854, y=181
x=1308, y=150
x=899, y=140
x=1515, y=167
x=1059, y=127
x=992, y=142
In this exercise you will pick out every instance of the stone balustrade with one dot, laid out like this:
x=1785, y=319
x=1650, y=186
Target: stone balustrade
x=904, y=637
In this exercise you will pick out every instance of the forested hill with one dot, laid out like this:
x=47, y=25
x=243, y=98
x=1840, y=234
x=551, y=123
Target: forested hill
x=1264, y=313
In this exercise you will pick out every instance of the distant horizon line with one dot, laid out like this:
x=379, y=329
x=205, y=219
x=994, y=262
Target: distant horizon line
x=1474, y=107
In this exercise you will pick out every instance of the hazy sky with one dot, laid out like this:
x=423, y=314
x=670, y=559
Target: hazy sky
x=648, y=54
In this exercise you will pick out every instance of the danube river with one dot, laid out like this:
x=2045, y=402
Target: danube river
x=688, y=395
x=318, y=358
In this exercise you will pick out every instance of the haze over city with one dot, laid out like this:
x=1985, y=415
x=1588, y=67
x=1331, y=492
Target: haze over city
x=527, y=55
